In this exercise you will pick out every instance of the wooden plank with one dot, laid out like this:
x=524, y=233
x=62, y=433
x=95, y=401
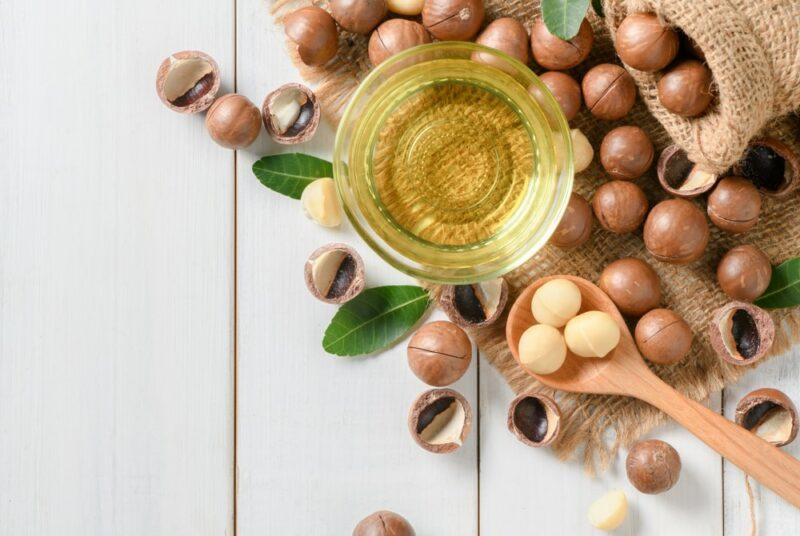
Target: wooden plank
x=322, y=441
x=523, y=488
x=773, y=515
x=116, y=258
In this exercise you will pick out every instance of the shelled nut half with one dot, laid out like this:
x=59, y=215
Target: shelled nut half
x=188, y=81
x=291, y=114
x=741, y=333
x=680, y=176
x=476, y=305
x=335, y=273
x=769, y=414
x=772, y=166
x=534, y=419
x=439, y=420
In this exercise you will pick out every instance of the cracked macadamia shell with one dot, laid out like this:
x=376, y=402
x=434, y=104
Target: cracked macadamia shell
x=772, y=166
x=734, y=205
x=680, y=176
x=632, y=285
x=769, y=414
x=439, y=353
x=440, y=420
x=663, y=337
x=453, y=20
x=534, y=419
x=393, y=37
x=555, y=54
x=653, y=466
x=741, y=333
x=334, y=273
x=384, y=523
x=188, y=81
x=676, y=232
x=575, y=226
x=291, y=114
x=476, y=305
x=608, y=91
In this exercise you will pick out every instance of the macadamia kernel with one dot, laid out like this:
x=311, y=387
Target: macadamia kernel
x=410, y=8
x=592, y=334
x=556, y=302
x=609, y=511
x=542, y=349
x=582, y=151
x=321, y=204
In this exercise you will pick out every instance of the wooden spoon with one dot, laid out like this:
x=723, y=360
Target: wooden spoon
x=624, y=372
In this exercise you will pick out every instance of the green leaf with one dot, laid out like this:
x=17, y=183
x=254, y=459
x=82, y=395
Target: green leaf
x=563, y=17
x=598, y=7
x=375, y=319
x=289, y=174
x=784, y=287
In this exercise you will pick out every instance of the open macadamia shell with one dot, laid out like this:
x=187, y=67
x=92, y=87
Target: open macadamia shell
x=476, y=305
x=680, y=176
x=741, y=333
x=440, y=420
x=291, y=114
x=534, y=419
x=334, y=273
x=769, y=414
x=772, y=166
x=188, y=81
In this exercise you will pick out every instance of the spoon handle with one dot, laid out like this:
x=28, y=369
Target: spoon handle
x=766, y=463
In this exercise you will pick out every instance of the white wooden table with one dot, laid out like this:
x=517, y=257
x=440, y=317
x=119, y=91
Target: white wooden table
x=157, y=341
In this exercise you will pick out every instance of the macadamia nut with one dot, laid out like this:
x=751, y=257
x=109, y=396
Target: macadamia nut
x=410, y=8
x=556, y=302
x=609, y=511
x=592, y=334
x=542, y=349
x=321, y=204
x=582, y=151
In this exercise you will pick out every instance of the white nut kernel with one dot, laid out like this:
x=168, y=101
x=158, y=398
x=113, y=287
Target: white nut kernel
x=592, y=334
x=582, y=151
x=609, y=511
x=542, y=349
x=556, y=302
x=321, y=203
x=406, y=7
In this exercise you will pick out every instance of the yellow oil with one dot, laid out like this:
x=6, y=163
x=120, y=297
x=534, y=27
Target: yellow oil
x=451, y=158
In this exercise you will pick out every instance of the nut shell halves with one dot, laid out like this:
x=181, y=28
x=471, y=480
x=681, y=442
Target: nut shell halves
x=440, y=420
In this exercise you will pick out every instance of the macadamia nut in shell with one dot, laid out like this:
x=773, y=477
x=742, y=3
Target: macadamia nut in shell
x=576, y=225
x=393, y=37
x=676, y=231
x=314, y=33
x=653, y=466
x=188, y=81
x=384, y=523
x=608, y=91
x=233, y=121
x=439, y=353
x=453, y=20
x=632, y=285
x=663, y=337
x=552, y=52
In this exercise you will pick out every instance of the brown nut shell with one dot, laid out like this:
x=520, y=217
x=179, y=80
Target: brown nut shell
x=744, y=272
x=439, y=353
x=626, y=152
x=632, y=285
x=314, y=32
x=566, y=90
x=575, y=226
x=769, y=414
x=291, y=114
x=609, y=91
x=555, y=54
x=233, y=121
x=453, y=20
x=772, y=166
x=507, y=35
x=676, y=232
x=653, y=466
x=475, y=305
x=188, y=81
x=680, y=176
x=663, y=337
x=384, y=523
x=645, y=43
x=534, y=419
x=620, y=206
x=334, y=273
x=686, y=89
x=741, y=333
x=358, y=16
x=734, y=205
x=393, y=37
x=440, y=420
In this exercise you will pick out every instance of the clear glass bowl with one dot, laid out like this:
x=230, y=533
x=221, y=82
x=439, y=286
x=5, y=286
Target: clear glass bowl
x=537, y=209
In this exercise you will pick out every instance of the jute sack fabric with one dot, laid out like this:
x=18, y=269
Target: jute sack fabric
x=753, y=51
x=596, y=426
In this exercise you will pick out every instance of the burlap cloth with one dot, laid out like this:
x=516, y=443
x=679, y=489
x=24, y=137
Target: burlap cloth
x=594, y=427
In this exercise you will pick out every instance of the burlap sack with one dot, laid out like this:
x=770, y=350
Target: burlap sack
x=753, y=50
x=598, y=425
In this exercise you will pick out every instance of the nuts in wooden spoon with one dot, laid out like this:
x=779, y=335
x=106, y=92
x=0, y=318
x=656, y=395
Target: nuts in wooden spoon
x=609, y=511
x=476, y=305
x=439, y=420
x=439, y=353
x=592, y=334
x=534, y=419
x=744, y=272
x=233, y=121
x=542, y=349
x=314, y=33
x=552, y=52
x=680, y=176
x=291, y=114
x=769, y=414
x=556, y=302
x=188, y=81
x=334, y=273
x=741, y=333
x=653, y=466
x=384, y=523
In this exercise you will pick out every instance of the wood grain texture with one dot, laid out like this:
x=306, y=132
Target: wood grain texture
x=115, y=276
